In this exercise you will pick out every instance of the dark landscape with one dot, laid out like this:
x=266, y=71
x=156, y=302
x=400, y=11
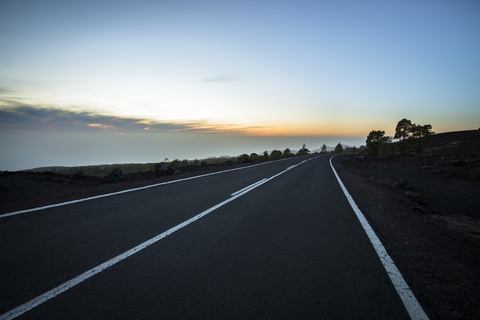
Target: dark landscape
x=426, y=211
x=424, y=208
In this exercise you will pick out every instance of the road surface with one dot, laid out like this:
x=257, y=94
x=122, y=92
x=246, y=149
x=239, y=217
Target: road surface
x=289, y=247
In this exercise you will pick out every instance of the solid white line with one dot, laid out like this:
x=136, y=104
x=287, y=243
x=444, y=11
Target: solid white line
x=84, y=276
x=135, y=189
x=250, y=186
x=272, y=177
x=414, y=308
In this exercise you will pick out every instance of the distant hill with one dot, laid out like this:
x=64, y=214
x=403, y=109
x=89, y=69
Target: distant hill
x=457, y=142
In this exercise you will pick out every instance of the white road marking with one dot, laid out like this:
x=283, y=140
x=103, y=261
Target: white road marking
x=414, y=308
x=130, y=190
x=250, y=186
x=84, y=276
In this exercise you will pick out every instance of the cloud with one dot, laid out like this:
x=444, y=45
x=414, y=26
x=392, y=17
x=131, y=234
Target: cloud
x=17, y=116
x=4, y=90
x=222, y=78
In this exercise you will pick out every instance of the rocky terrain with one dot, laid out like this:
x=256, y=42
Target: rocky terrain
x=425, y=210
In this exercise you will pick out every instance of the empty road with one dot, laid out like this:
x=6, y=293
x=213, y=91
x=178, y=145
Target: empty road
x=288, y=247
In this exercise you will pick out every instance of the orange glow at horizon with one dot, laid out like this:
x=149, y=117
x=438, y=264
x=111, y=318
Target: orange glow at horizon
x=99, y=125
x=306, y=129
x=312, y=130
x=264, y=129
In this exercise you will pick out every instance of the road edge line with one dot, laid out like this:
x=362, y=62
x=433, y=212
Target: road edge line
x=27, y=306
x=411, y=303
x=14, y=213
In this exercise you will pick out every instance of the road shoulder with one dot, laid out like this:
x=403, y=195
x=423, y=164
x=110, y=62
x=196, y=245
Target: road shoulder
x=440, y=265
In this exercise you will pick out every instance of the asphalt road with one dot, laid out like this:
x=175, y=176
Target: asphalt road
x=291, y=248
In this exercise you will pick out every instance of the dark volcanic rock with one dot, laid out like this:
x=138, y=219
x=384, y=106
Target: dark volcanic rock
x=117, y=172
x=160, y=170
x=77, y=176
x=457, y=163
x=173, y=171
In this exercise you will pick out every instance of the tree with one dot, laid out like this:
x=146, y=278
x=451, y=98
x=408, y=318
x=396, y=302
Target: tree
x=175, y=163
x=350, y=149
x=374, y=141
x=253, y=156
x=385, y=146
x=265, y=154
x=338, y=148
x=275, y=154
x=287, y=153
x=324, y=148
x=421, y=134
x=402, y=131
x=243, y=158
x=303, y=152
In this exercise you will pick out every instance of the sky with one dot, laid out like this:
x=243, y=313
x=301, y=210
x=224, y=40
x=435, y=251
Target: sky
x=96, y=82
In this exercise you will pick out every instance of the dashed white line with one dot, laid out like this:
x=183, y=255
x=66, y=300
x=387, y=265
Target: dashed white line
x=249, y=187
x=84, y=276
x=414, y=308
x=135, y=189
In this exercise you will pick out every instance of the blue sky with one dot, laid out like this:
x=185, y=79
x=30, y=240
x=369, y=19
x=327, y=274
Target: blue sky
x=194, y=79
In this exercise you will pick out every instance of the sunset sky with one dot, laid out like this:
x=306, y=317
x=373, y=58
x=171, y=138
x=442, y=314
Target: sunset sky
x=95, y=82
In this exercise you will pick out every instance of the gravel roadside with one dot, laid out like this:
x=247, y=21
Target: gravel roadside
x=438, y=258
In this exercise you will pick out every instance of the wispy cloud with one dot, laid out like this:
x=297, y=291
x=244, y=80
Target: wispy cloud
x=4, y=90
x=221, y=78
x=17, y=116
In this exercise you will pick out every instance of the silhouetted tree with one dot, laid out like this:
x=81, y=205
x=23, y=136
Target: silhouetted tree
x=265, y=154
x=243, y=158
x=350, y=149
x=374, y=140
x=303, y=152
x=275, y=154
x=385, y=145
x=339, y=148
x=324, y=148
x=421, y=134
x=402, y=131
x=287, y=153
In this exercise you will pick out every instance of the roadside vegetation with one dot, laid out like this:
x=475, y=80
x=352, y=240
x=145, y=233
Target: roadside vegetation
x=413, y=138
x=146, y=168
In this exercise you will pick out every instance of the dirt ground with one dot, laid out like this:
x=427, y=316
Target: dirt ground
x=425, y=210
x=24, y=190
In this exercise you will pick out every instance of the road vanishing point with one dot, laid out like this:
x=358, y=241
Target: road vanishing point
x=277, y=240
